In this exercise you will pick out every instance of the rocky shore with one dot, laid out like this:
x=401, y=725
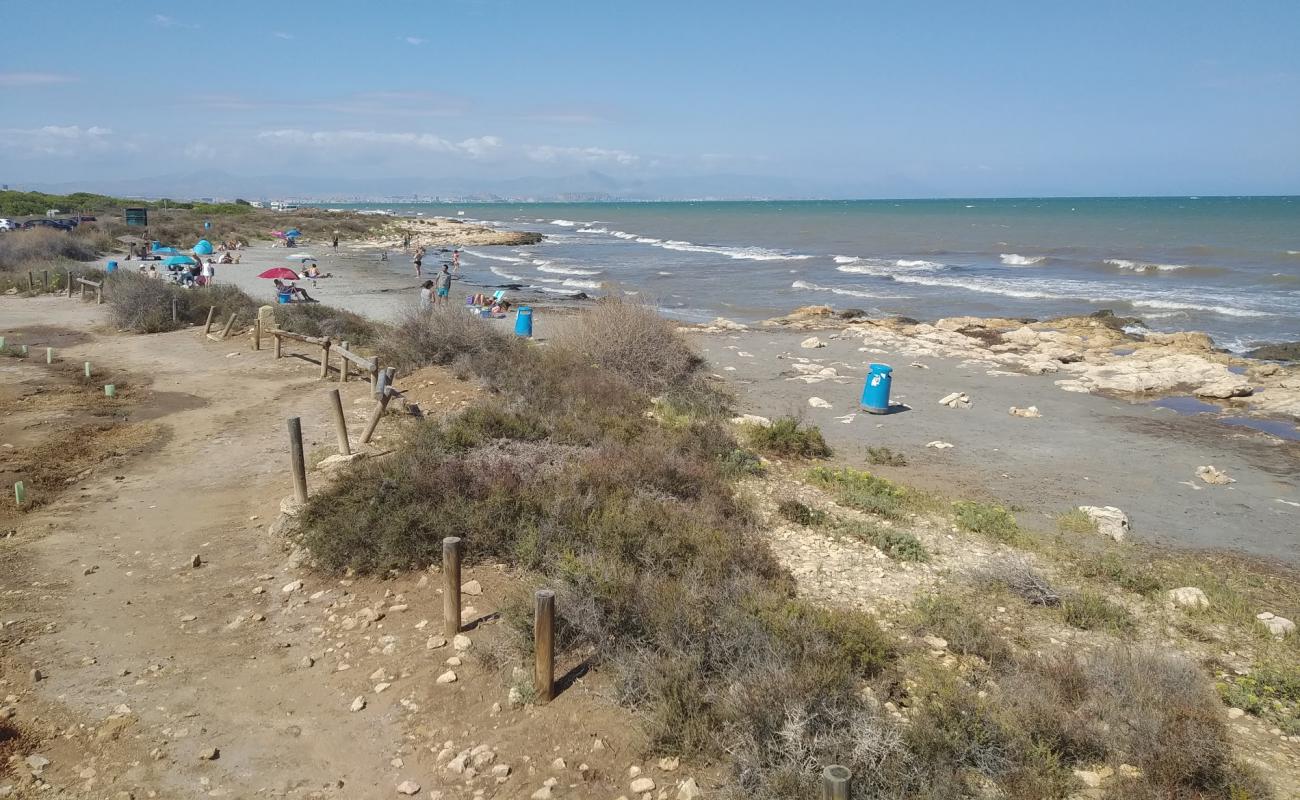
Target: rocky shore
x=1100, y=353
x=444, y=232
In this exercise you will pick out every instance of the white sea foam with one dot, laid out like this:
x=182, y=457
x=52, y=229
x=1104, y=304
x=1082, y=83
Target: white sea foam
x=577, y=284
x=510, y=259
x=593, y=230
x=738, y=253
x=623, y=235
x=884, y=267
x=1143, y=266
x=846, y=259
x=647, y=240
x=1226, y=310
x=564, y=223
x=547, y=266
x=812, y=287
x=507, y=275
x=1017, y=260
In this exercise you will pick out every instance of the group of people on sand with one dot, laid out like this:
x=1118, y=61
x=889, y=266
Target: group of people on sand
x=418, y=260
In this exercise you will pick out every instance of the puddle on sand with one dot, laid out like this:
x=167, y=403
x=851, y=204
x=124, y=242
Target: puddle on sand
x=1237, y=370
x=1124, y=351
x=1275, y=427
x=1185, y=404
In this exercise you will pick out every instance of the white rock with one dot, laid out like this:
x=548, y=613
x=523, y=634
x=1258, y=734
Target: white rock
x=543, y=793
x=938, y=445
x=669, y=764
x=1224, y=389
x=1278, y=626
x=641, y=785
x=435, y=642
x=408, y=787
x=812, y=343
x=751, y=419
x=1090, y=779
x=291, y=587
x=462, y=642
x=817, y=402
x=1188, y=597
x=559, y=763
x=1031, y=412
x=447, y=677
x=955, y=400
x=689, y=790
x=1213, y=476
x=37, y=762
x=358, y=703
x=515, y=697
x=472, y=588
x=1110, y=521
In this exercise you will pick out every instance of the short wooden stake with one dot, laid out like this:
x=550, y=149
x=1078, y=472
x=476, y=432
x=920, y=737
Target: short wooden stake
x=46, y=276
x=544, y=641
x=340, y=423
x=24, y=349
x=230, y=323
x=110, y=390
x=836, y=783
x=374, y=374
x=20, y=494
x=325, y=359
x=49, y=355
x=207, y=326
x=175, y=310
x=99, y=295
x=278, y=344
x=296, y=462
x=2, y=342
x=343, y=368
x=87, y=369
x=31, y=282
x=451, y=586
x=69, y=274
x=257, y=333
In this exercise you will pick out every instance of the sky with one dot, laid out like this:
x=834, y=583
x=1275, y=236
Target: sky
x=830, y=98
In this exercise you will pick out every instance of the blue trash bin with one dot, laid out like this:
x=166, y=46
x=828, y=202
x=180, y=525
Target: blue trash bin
x=524, y=321
x=110, y=266
x=283, y=298
x=875, y=394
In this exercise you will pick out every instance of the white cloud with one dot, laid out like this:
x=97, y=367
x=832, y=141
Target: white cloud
x=551, y=154
x=164, y=21
x=57, y=139
x=476, y=147
x=282, y=35
x=414, y=40
x=33, y=78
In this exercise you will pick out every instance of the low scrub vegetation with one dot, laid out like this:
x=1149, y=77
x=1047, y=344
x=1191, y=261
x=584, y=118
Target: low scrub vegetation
x=800, y=513
x=1076, y=521
x=898, y=545
x=865, y=492
x=992, y=521
x=884, y=457
x=789, y=438
x=1271, y=692
x=1088, y=610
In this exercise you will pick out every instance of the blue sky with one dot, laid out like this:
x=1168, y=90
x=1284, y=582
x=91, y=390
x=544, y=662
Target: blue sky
x=869, y=98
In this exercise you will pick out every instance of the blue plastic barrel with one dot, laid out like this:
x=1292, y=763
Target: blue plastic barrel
x=283, y=298
x=875, y=394
x=524, y=321
x=110, y=266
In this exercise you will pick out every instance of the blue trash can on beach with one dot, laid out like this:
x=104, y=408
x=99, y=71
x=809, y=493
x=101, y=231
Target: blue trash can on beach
x=524, y=321
x=110, y=266
x=875, y=394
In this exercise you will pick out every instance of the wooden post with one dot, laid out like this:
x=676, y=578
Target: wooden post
x=49, y=355
x=83, y=291
x=257, y=333
x=20, y=494
x=87, y=369
x=175, y=314
x=451, y=586
x=278, y=344
x=46, y=281
x=230, y=323
x=99, y=295
x=836, y=783
x=31, y=282
x=340, y=424
x=375, y=415
x=325, y=359
x=69, y=272
x=343, y=368
x=296, y=462
x=374, y=374
x=207, y=326
x=544, y=642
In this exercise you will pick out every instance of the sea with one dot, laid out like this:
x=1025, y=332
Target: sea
x=1227, y=266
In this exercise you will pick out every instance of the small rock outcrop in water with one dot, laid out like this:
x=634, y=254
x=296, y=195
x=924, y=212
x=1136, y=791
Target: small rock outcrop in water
x=1283, y=351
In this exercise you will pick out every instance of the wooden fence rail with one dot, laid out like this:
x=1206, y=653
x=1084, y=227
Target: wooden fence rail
x=98, y=286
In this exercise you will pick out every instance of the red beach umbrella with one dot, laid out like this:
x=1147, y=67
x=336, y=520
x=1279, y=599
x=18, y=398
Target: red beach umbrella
x=283, y=273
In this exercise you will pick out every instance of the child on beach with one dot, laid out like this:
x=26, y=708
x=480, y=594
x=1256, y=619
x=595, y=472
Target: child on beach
x=426, y=296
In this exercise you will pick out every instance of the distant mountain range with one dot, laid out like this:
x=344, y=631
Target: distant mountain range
x=590, y=185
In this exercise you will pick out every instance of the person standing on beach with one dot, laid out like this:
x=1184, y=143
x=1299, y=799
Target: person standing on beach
x=418, y=260
x=455, y=261
x=426, y=296
x=444, y=285
x=406, y=240
x=336, y=240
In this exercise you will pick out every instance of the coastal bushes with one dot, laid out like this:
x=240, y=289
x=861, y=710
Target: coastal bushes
x=633, y=341
x=790, y=438
x=992, y=521
x=19, y=249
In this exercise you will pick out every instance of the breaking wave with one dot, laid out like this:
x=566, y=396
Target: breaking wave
x=1142, y=266
x=1017, y=260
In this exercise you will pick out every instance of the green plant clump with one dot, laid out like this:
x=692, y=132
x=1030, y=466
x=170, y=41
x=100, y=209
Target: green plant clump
x=992, y=521
x=789, y=437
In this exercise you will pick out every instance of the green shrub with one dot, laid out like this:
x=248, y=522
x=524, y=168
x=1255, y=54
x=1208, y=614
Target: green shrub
x=1270, y=692
x=788, y=437
x=1075, y=521
x=21, y=250
x=898, y=545
x=883, y=456
x=144, y=305
x=1124, y=570
x=739, y=462
x=967, y=634
x=317, y=319
x=800, y=513
x=1088, y=611
x=994, y=522
x=862, y=491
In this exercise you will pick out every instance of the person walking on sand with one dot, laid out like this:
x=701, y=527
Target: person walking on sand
x=426, y=296
x=444, y=285
x=455, y=261
x=418, y=260
x=336, y=240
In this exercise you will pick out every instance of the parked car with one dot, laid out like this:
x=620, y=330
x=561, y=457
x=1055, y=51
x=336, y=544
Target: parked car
x=8, y=225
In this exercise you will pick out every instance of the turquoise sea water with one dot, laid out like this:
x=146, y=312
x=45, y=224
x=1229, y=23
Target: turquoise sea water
x=1226, y=266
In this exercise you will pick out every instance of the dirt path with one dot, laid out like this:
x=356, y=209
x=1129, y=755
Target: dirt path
x=151, y=663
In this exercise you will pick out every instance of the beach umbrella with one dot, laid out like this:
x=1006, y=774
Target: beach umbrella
x=174, y=261
x=283, y=273
x=301, y=257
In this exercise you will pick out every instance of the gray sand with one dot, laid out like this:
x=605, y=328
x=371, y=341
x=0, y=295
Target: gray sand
x=1085, y=450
